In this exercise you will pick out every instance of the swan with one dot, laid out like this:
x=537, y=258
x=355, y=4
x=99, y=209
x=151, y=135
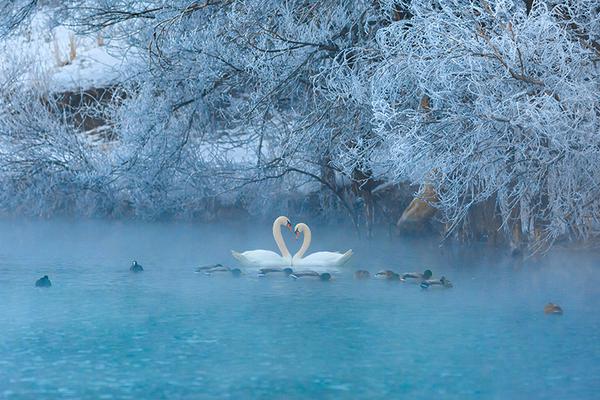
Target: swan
x=268, y=258
x=318, y=259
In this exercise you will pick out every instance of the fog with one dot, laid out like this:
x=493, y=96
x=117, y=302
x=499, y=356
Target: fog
x=172, y=332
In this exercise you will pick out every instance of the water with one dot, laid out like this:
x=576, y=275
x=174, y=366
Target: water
x=102, y=332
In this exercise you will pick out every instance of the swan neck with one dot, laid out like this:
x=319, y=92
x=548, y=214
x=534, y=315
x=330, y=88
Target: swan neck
x=305, y=242
x=277, y=224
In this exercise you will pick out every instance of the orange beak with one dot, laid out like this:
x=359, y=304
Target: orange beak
x=297, y=234
x=289, y=225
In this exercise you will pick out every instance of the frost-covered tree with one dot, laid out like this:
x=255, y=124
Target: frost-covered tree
x=225, y=79
x=485, y=100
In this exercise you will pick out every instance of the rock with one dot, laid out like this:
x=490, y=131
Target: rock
x=44, y=281
x=416, y=217
x=135, y=267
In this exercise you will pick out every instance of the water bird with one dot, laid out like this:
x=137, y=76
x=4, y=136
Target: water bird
x=325, y=276
x=135, y=267
x=320, y=258
x=210, y=269
x=207, y=268
x=44, y=281
x=427, y=274
x=267, y=258
x=362, y=274
x=387, y=274
x=264, y=271
x=552, y=308
x=442, y=282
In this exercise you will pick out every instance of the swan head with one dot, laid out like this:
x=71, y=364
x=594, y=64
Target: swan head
x=300, y=228
x=282, y=220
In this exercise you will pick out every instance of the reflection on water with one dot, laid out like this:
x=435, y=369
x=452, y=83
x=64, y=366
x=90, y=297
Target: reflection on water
x=103, y=332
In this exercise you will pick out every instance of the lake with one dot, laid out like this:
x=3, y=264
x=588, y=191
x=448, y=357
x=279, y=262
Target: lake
x=103, y=332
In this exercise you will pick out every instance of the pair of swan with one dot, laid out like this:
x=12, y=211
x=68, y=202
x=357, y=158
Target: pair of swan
x=270, y=259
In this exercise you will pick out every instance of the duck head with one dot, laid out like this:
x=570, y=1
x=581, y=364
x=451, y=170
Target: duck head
x=325, y=276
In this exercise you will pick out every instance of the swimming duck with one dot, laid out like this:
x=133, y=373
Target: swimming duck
x=325, y=276
x=210, y=269
x=44, y=281
x=264, y=271
x=552, y=308
x=362, y=274
x=135, y=267
x=442, y=282
x=206, y=268
x=427, y=274
x=389, y=275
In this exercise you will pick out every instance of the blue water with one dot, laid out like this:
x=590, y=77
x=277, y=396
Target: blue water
x=102, y=332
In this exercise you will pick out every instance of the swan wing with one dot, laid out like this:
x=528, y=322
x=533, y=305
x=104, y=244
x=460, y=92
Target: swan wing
x=323, y=259
x=261, y=259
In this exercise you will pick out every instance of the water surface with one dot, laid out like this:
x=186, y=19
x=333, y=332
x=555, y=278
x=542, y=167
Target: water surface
x=102, y=332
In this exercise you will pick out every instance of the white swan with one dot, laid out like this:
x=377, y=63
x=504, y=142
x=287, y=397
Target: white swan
x=320, y=258
x=268, y=258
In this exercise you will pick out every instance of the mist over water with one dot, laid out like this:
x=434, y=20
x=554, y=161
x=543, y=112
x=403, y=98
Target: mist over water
x=103, y=332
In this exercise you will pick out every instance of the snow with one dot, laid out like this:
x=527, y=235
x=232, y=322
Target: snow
x=61, y=60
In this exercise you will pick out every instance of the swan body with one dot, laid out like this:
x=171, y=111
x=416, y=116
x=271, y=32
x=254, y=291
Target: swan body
x=267, y=258
x=323, y=259
x=261, y=259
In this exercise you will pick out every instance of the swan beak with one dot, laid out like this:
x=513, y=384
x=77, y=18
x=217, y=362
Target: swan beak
x=289, y=225
x=297, y=234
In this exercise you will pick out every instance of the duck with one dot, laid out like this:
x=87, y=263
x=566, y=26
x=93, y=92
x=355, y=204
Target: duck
x=387, y=274
x=135, y=267
x=325, y=276
x=427, y=274
x=44, y=281
x=362, y=274
x=210, y=269
x=264, y=271
x=442, y=282
x=552, y=308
